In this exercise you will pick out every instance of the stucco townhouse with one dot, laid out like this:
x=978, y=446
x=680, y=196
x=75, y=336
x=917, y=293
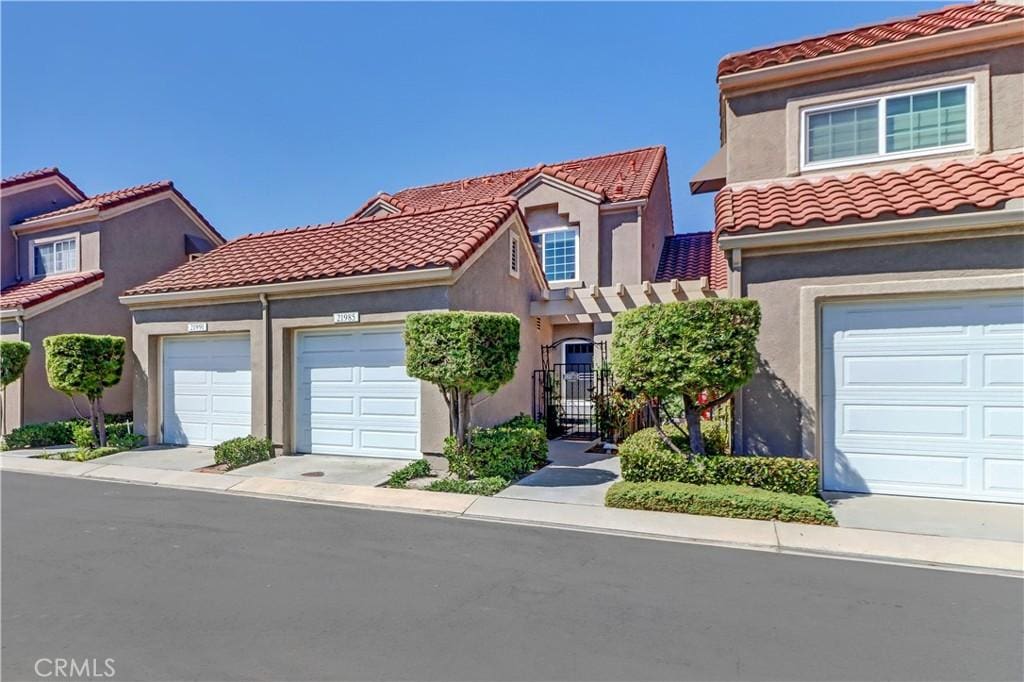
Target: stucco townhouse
x=870, y=188
x=66, y=259
x=297, y=334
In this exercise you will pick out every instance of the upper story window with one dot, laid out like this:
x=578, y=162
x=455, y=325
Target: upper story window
x=55, y=257
x=559, y=252
x=888, y=127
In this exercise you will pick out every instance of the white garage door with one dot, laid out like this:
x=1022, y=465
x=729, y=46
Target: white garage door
x=925, y=397
x=353, y=396
x=207, y=390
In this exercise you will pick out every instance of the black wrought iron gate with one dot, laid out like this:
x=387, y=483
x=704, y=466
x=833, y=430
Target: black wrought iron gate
x=568, y=392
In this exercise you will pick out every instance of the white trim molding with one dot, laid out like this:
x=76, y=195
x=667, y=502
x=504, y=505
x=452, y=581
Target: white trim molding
x=35, y=243
x=567, y=187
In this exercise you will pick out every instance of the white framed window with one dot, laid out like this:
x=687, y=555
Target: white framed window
x=894, y=126
x=559, y=250
x=54, y=256
x=513, y=254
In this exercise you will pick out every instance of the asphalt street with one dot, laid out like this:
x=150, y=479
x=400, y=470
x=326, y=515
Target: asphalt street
x=178, y=585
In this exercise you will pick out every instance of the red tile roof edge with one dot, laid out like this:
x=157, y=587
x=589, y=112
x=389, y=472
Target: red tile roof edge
x=754, y=200
x=920, y=25
x=39, y=174
x=49, y=288
x=459, y=255
x=543, y=167
x=119, y=197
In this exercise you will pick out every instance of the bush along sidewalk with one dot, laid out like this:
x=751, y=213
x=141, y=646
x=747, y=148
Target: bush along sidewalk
x=400, y=479
x=644, y=457
x=240, y=452
x=719, y=500
x=46, y=434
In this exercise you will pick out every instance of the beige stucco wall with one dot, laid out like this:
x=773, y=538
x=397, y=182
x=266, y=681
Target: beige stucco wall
x=130, y=248
x=16, y=206
x=762, y=135
x=546, y=206
x=484, y=285
x=657, y=225
x=777, y=414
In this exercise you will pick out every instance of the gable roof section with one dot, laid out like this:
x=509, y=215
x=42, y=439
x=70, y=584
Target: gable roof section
x=981, y=183
x=952, y=18
x=39, y=174
x=25, y=295
x=108, y=200
x=408, y=241
x=619, y=176
x=690, y=257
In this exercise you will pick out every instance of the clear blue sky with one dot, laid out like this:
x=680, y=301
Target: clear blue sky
x=275, y=115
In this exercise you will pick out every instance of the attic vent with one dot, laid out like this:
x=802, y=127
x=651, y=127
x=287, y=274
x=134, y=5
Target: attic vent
x=513, y=254
x=537, y=320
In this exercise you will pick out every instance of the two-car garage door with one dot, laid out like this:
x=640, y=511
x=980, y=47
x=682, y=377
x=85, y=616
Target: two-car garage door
x=925, y=397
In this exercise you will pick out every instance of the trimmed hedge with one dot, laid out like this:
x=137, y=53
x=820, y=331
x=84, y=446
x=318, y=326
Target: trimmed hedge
x=480, y=486
x=417, y=469
x=240, y=452
x=644, y=457
x=505, y=451
x=60, y=432
x=738, y=502
x=13, y=358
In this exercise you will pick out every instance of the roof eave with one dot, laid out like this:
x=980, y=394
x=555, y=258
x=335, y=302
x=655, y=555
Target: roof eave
x=886, y=54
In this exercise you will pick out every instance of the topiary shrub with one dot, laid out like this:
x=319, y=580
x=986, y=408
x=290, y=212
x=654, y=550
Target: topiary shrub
x=732, y=501
x=13, y=359
x=243, y=451
x=463, y=354
x=643, y=457
x=86, y=364
x=700, y=350
x=505, y=451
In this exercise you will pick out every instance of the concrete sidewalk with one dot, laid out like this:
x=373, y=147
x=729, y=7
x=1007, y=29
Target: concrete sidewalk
x=872, y=545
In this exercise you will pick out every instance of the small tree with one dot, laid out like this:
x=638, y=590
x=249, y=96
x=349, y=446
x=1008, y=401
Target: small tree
x=463, y=354
x=699, y=350
x=13, y=359
x=86, y=364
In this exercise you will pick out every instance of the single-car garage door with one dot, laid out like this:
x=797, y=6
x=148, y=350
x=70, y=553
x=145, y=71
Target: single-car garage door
x=925, y=397
x=353, y=396
x=207, y=389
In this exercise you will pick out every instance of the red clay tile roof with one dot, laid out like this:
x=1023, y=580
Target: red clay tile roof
x=620, y=176
x=38, y=174
x=109, y=200
x=27, y=294
x=951, y=18
x=692, y=256
x=979, y=183
x=410, y=241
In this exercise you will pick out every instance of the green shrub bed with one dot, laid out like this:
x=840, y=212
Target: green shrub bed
x=240, y=452
x=479, y=486
x=644, y=457
x=400, y=478
x=61, y=432
x=505, y=451
x=738, y=502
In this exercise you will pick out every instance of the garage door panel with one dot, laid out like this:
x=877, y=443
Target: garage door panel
x=937, y=421
x=905, y=370
x=892, y=470
x=925, y=397
x=207, y=390
x=374, y=412
x=1004, y=369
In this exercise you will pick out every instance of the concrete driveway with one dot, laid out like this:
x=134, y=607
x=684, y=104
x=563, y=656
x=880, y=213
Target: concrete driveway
x=574, y=476
x=170, y=457
x=325, y=469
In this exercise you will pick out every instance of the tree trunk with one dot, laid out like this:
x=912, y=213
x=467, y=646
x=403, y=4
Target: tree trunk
x=692, y=410
x=661, y=432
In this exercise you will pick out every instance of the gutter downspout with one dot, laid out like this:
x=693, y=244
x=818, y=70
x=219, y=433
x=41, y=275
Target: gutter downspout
x=17, y=268
x=268, y=377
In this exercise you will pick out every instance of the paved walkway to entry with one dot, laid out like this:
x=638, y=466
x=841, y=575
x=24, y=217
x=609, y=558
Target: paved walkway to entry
x=574, y=476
